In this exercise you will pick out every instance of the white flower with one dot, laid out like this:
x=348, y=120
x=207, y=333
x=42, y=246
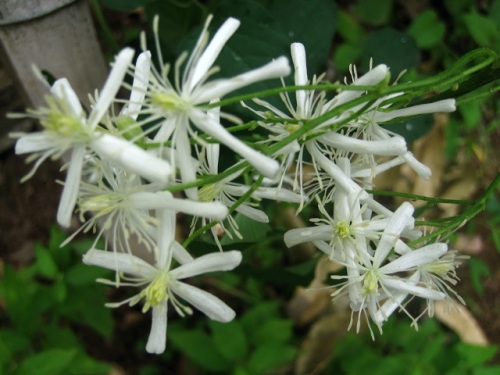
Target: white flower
x=66, y=127
x=122, y=204
x=374, y=279
x=179, y=106
x=160, y=283
x=347, y=230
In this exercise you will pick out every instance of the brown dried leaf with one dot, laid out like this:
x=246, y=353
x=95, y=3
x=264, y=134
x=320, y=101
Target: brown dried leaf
x=308, y=303
x=317, y=348
x=459, y=319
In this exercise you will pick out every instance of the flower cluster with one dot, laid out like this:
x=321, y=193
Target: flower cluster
x=123, y=167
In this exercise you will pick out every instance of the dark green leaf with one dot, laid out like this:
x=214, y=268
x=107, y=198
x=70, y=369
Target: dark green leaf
x=230, y=340
x=48, y=362
x=81, y=274
x=475, y=355
x=483, y=30
x=45, y=263
x=350, y=30
x=269, y=357
x=374, y=12
x=198, y=347
x=478, y=270
x=394, y=48
x=275, y=330
x=427, y=30
x=252, y=231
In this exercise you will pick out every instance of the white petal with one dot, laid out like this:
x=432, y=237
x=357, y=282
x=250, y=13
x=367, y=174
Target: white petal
x=300, y=67
x=213, y=262
x=300, y=235
x=265, y=165
x=111, y=87
x=416, y=258
x=166, y=237
x=181, y=254
x=207, y=303
x=394, y=146
x=63, y=90
x=212, y=51
x=157, y=340
x=335, y=172
x=422, y=170
x=132, y=158
x=253, y=213
x=34, y=142
x=184, y=163
x=371, y=78
x=165, y=200
x=219, y=88
x=71, y=187
x=404, y=286
x=401, y=217
x=139, y=85
x=447, y=105
x=120, y=262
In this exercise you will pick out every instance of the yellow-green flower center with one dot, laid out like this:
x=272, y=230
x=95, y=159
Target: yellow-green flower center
x=156, y=292
x=342, y=229
x=439, y=267
x=210, y=192
x=100, y=204
x=169, y=101
x=62, y=124
x=370, y=282
x=291, y=128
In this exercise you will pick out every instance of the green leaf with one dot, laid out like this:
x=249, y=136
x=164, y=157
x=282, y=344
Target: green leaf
x=45, y=263
x=345, y=55
x=483, y=30
x=427, y=30
x=254, y=316
x=374, y=12
x=12, y=342
x=81, y=274
x=295, y=22
x=83, y=365
x=475, y=355
x=269, y=357
x=350, y=30
x=478, y=270
x=230, y=340
x=252, y=231
x=198, y=347
x=471, y=113
x=86, y=306
x=267, y=32
x=48, y=362
x=277, y=331
x=388, y=46
x=177, y=20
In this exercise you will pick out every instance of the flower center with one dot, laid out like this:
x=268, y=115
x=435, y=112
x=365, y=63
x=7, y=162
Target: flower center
x=291, y=128
x=210, y=192
x=62, y=124
x=169, y=101
x=157, y=291
x=370, y=282
x=101, y=204
x=342, y=229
